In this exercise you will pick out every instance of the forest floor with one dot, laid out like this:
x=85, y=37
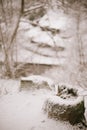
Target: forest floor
x=23, y=110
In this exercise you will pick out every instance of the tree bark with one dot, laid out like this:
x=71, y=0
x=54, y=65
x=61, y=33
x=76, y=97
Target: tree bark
x=8, y=38
x=22, y=6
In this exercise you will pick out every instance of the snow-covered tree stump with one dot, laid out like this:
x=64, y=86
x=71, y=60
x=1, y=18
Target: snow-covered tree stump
x=35, y=82
x=69, y=109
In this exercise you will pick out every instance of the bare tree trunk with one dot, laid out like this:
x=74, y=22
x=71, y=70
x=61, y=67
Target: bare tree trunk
x=80, y=43
x=63, y=2
x=22, y=6
x=11, y=23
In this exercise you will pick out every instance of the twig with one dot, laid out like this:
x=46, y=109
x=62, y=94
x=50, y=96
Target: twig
x=32, y=8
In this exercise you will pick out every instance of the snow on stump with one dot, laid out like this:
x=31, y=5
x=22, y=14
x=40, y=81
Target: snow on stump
x=35, y=82
x=66, y=106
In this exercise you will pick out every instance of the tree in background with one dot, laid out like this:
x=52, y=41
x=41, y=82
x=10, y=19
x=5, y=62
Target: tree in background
x=10, y=13
x=22, y=6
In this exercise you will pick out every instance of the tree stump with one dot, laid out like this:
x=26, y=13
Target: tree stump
x=66, y=106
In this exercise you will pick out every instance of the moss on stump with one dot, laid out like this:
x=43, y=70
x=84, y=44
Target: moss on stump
x=65, y=109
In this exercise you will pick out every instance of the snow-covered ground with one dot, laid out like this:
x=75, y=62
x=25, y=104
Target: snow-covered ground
x=23, y=110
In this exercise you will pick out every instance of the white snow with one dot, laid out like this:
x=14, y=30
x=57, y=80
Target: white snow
x=32, y=41
x=55, y=20
x=33, y=32
x=23, y=110
x=39, y=80
x=30, y=57
x=11, y=87
x=24, y=25
x=47, y=39
x=67, y=102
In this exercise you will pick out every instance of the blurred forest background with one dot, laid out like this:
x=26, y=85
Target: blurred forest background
x=17, y=18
